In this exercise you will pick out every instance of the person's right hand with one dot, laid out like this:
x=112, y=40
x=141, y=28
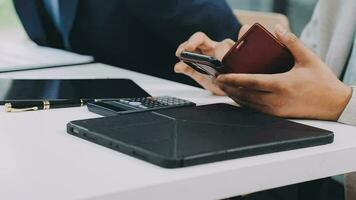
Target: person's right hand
x=201, y=43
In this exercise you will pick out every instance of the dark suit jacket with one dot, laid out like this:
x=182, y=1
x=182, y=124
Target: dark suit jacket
x=140, y=35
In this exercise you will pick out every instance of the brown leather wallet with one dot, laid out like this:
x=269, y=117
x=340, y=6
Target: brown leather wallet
x=258, y=52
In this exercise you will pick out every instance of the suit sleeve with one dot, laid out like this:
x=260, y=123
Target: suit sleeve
x=349, y=114
x=176, y=20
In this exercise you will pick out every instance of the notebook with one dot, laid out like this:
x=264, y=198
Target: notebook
x=195, y=135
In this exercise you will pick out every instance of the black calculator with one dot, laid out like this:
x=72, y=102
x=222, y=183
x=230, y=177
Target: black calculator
x=134, y=105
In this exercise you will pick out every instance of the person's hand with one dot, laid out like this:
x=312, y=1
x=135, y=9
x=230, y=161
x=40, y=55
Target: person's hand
x=201, y=43
x=309, y=90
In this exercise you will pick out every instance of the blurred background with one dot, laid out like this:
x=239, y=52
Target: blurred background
x=298, y=12
x=10, y=24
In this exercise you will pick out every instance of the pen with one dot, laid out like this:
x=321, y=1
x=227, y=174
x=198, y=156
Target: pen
x=21, y=106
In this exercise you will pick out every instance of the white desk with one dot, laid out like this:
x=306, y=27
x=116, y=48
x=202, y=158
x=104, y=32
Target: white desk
x=39, y=160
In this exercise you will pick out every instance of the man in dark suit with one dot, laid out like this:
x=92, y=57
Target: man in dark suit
x=140, y=35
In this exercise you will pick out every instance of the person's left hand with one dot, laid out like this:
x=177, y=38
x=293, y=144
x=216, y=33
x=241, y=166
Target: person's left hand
x=309, y=90
x=201, y=43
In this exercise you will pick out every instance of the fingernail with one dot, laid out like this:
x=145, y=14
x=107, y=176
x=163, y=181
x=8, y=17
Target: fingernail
x=176, y=68
x=178, y=71
x=280, y=29
x=179, y=51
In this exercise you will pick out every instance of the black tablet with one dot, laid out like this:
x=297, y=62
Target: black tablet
x=49, y=89
x=195, y=135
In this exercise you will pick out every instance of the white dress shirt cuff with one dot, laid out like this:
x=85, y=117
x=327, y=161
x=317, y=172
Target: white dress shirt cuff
x=349, y=114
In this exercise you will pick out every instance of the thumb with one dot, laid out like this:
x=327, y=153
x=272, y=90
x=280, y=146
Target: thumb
x=300, y=52
x=243, y=30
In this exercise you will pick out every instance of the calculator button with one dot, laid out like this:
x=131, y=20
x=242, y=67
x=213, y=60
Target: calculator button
x=135, y=103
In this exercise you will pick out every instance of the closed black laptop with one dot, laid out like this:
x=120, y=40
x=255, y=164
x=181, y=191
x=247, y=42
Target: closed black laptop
x=195, y=135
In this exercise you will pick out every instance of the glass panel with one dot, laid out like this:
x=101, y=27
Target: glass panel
x=10, y=26
x=291, y=8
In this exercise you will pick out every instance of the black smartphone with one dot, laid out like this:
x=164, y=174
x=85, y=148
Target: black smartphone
x=207, y=65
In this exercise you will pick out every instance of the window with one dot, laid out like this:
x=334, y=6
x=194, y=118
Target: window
x=10, y=26
x=291, y=8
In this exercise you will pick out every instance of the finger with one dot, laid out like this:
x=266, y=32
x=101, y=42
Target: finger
x=257, y=107
x=183, y=68
x=247, y=95
x=180, y=67
x=228, y=42
x=243, y=30
x=222, y=48
x=300, y=52
x=261, y=82
x=200, y=41
x=257, y=100
x=203, y=80
x=180, y=49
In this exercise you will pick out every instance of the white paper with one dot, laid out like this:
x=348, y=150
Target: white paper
x=27, y=55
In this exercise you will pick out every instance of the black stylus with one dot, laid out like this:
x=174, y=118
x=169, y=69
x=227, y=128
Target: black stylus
x=21, y=106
